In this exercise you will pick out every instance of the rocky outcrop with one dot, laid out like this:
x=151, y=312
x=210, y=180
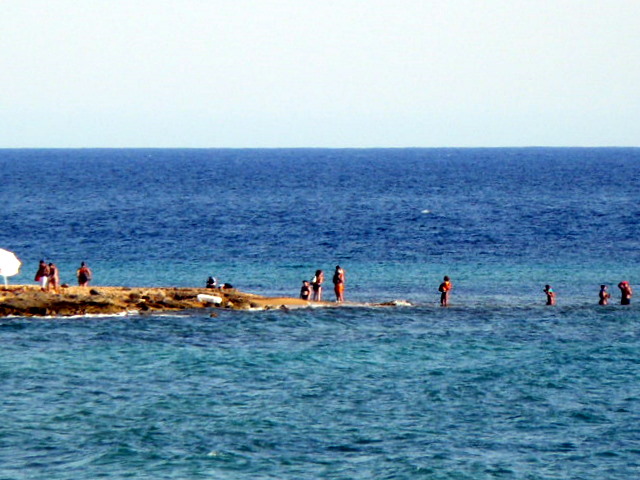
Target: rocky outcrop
x=28, y=301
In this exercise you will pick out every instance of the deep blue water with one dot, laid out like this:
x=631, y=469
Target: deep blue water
x=497, y=386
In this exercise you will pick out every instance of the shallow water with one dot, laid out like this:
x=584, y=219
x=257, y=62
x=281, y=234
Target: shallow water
x=496, y=386
x=355, y=393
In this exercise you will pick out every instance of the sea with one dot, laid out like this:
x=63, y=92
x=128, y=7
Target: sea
x=496, y=386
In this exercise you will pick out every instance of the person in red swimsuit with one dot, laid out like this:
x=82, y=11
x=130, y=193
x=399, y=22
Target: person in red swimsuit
x=84, y=275
x=625, y=293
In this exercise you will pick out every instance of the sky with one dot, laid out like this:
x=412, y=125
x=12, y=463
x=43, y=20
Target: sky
x=319, y=73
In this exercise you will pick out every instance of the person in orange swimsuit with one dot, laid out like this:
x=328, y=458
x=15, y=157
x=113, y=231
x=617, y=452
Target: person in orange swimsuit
x=338, y=283
x=445, y=287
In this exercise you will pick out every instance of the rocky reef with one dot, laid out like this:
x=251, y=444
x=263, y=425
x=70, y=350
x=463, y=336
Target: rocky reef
x=29, y=301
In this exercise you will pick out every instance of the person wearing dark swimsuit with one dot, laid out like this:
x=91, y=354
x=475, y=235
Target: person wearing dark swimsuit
x=305, y=290
x=84, y=275
x=444, y=289
x=604, y=295
x=316, y=285
x=551, y=295
x=625, y=292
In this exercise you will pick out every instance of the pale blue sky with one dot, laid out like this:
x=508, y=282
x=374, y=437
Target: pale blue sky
x=319, y=73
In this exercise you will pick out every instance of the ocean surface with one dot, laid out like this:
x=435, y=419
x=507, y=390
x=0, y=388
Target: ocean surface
x=497, y=386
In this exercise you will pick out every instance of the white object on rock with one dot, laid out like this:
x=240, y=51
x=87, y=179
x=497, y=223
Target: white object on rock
x=209, y=299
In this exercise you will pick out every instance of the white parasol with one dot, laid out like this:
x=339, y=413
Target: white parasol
x=9, y=264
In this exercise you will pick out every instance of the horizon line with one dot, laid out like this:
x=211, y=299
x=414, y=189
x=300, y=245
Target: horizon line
x=336, y=148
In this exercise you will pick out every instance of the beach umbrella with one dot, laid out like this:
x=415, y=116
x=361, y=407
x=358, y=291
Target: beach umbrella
x=9, y=264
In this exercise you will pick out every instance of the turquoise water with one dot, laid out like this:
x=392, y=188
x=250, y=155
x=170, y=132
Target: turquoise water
x=497, y=386
x=418, y=393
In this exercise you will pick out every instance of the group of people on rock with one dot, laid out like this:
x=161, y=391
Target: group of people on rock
x=212, y=282
x=48, y=276
x=312, y=290
x=625, y=294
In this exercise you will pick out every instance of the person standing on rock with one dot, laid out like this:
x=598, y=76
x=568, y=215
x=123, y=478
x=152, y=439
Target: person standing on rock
x=84, y=275
x=42, y=275
x=316, y=285
x=54, y=278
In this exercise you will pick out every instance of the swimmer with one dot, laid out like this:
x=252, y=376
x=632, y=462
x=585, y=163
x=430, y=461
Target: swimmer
x=625, y=292
x=604, y=295
x=445, y=287
x=551, y=295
